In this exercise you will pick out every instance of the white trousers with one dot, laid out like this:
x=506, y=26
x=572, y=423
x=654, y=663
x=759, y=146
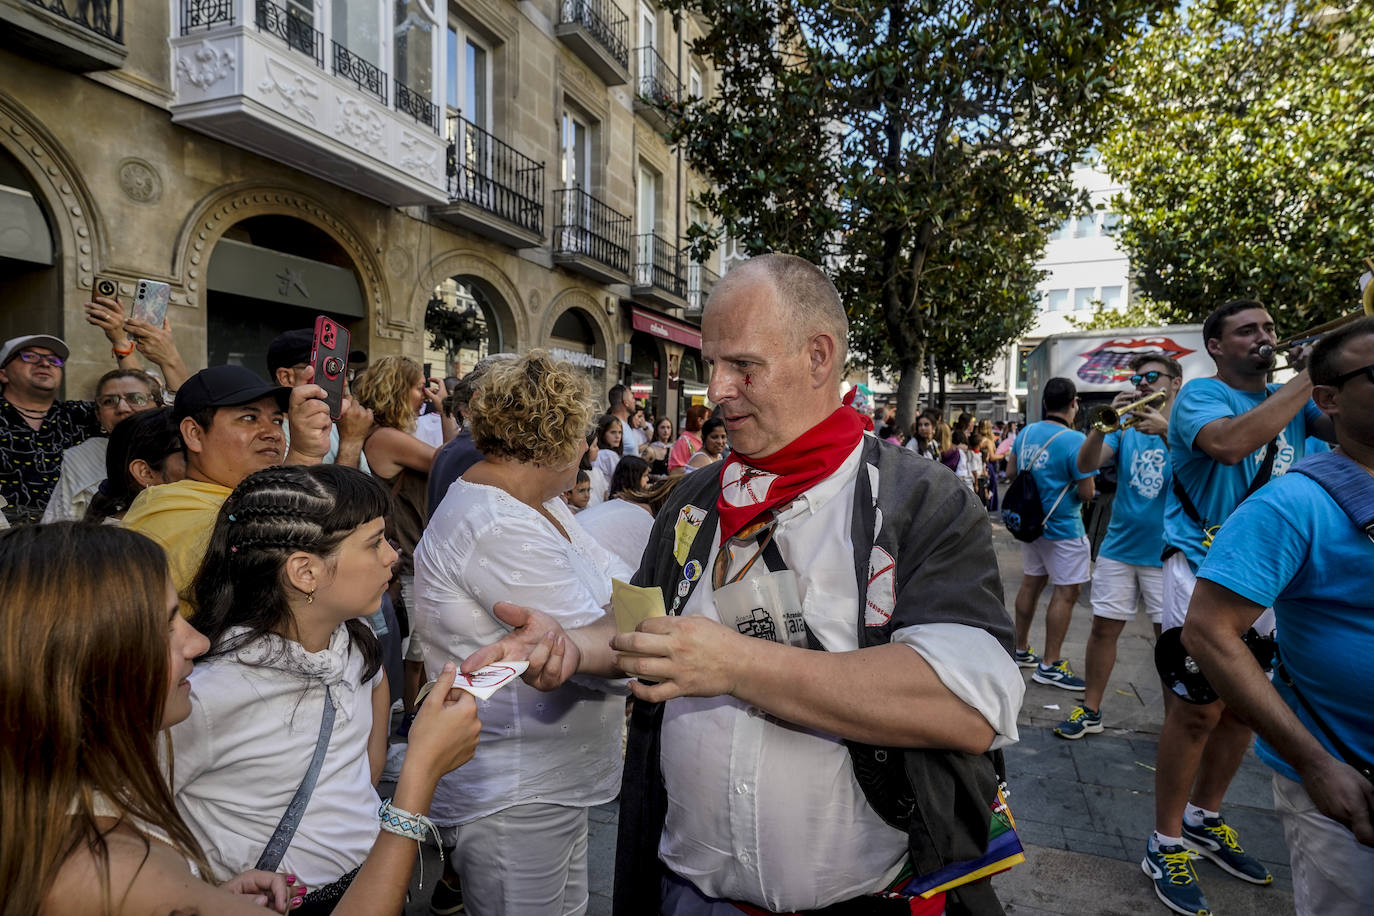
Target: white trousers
x=1333, y=875
x=529, y=860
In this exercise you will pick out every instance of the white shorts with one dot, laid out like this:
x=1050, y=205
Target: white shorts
x=1333, y=875
x=1065, y=562
x=1179, y=582
x=1117, y=586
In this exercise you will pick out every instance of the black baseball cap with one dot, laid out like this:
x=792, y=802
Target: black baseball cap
x=292, y=348
x=224, y=386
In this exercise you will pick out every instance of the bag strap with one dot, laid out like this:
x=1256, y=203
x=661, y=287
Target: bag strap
x=1346, y=482
x=276, y=846
x=1041, y=449
x=1365, y=769
x=1262, y=476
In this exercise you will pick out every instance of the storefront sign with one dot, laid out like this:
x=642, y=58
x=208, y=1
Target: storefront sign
x=666, y=328
x=580, y=360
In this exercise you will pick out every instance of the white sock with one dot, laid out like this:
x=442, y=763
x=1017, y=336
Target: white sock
x=1193, y=815
x=1158, y=839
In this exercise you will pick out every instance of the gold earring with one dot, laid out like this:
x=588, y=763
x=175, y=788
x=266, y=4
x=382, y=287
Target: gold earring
x=310, y=598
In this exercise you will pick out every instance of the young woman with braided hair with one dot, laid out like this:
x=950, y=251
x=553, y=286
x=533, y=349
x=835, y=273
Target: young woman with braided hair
x=296, y=557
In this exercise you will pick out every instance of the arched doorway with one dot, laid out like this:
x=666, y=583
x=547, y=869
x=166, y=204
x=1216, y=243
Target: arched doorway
x=30, y=283
x=574, y=339
x=275, y=273
x=463, y=324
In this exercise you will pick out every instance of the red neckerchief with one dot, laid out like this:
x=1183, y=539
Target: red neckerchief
x=848, y=401
x=750, y=488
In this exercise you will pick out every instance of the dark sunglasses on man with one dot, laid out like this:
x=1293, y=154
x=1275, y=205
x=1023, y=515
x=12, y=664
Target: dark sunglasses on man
x=1340, y=380
x=33, y=359
x=1149, y=378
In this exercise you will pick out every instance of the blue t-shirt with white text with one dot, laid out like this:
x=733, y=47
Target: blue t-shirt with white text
x=1215, y=488
x=1136, y=532
x=1054, y=469
x=1290, y=546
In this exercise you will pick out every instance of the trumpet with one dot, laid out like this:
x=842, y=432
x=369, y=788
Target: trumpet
x=1109, y=419
x=1311, y=334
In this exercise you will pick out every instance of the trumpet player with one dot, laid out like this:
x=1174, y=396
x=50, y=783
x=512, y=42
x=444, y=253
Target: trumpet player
x=1228, y=435
x=1128, y=563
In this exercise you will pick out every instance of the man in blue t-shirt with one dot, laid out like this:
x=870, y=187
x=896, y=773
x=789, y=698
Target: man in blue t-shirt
x=1292, y=547
x=1227, y=434
x=1128, y=562
x=1048, y=450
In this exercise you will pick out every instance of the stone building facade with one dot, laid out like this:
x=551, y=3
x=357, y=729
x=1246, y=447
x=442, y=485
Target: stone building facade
x=375, y=161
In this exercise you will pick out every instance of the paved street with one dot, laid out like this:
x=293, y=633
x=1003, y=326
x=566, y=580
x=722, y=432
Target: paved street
x=1084, y=808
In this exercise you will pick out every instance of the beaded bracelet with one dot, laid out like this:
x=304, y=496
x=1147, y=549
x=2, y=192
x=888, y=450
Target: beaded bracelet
x=411, y=826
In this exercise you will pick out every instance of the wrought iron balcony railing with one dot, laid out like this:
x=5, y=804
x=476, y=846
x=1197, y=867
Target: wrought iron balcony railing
x=362, y=72
x=655, y=82
x=494, y=176
x=292, y=29
x=103, y=17
x=205, y=14
x=418, y=107
x=658, y=264
x=604, y=22
x=586, y=226
x=700, y=280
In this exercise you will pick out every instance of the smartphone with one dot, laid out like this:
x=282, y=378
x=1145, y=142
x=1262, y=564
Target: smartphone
x=150, y=302
x=104, y=286
x=329, y=356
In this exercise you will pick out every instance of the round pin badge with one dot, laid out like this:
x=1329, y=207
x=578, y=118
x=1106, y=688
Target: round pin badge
x=682, y=588
x=692, y=571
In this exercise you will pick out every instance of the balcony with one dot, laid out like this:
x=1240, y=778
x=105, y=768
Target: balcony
x=658, y=273
x=76, y=35
x=700, y=281
x=259, y=75
x=656, y=87
x=493, y=189
x=598, y=33
x=591, y=238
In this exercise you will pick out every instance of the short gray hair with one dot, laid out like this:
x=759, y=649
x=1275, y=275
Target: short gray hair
x=802, y=289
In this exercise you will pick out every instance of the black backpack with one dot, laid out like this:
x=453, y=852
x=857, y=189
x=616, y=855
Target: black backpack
x=1022, y=512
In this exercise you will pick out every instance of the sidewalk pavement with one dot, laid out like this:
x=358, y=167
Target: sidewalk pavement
x=1083, y=808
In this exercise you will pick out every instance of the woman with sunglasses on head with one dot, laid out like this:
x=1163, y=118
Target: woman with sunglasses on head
x=119, y=393
x=145, y=450
x=97, y=661
x=291, y=703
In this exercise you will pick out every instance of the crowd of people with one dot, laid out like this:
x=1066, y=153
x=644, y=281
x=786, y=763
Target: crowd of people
x=814, y=725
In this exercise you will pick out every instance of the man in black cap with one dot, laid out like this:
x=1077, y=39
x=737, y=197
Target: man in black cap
x=288, y=358
x=232, y=424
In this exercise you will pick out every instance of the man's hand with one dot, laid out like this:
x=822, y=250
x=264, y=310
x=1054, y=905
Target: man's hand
x=157, y=345
x=687, y=656
x=355, y=422
x=1298, y=356
x=308, y=416
x=1150, y=421
x=536, y=637
x=1342, y=794
x=108, y=315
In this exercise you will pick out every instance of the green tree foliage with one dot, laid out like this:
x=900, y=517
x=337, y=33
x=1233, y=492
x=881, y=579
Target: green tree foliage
x=920, y=149
x=1246, y=147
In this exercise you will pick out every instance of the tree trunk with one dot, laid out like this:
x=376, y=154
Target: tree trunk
x=908, y=393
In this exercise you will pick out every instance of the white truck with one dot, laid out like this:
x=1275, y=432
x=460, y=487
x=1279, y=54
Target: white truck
x=1099, y=362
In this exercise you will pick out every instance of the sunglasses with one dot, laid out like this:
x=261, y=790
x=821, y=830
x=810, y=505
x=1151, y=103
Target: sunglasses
x=133, y=400
x=1340, y=380
x=48, y=359
x=1149, y=378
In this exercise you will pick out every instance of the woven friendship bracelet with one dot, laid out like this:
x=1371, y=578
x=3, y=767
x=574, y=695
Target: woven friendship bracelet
x=411, y=826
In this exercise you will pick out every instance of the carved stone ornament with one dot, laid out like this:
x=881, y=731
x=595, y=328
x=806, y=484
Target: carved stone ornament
x=206, y=66
x=359, y=125
x=294, y=90
x=140, y=181
x=414, y=162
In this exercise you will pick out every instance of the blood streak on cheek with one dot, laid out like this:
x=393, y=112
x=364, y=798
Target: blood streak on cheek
x=748, y=381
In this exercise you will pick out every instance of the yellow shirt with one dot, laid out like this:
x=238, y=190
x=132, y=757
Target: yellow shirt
x=180, y=517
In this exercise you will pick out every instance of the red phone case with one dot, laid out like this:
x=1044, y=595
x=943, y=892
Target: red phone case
x=329, y=356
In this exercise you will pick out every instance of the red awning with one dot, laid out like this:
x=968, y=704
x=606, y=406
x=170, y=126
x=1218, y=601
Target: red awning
x=665, y=327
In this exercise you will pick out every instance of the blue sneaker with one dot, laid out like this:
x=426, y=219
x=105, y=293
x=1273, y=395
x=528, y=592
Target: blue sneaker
x=1171, y=869
x=1057, y=675
x=1216, y=840
x=1027, y=659
x=1079, y=723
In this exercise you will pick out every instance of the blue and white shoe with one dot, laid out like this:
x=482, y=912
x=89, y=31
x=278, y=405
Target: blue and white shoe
x=1171, y=869
x=1027, y=658
x=1079, y=723
x=1216, y=840
x=1057, y=675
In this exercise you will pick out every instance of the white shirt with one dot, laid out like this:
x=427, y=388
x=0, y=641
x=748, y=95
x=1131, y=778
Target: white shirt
x=429, y=429
x=601, y=485
x=241, y=755
x=562, y=747
x=771, y=813
x=621, y=527
x=606, y=462
x=83, y=470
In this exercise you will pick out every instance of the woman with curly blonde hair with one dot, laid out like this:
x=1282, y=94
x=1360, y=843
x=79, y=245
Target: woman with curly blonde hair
x=517, y=816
